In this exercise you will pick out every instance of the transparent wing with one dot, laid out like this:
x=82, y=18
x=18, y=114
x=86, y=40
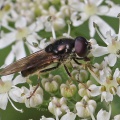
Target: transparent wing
x=36, y=59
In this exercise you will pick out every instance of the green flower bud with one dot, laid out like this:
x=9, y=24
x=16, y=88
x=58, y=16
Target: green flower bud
x=51, y=84
x=68, y=90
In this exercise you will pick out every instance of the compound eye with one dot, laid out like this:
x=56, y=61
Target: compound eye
x=81, y=46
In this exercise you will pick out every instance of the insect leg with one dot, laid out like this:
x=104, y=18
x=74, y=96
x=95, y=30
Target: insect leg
x=67, y=70
x=76, y=61
x=45, y=70
x=85, y=58
x=36, y=87
x=52, y=68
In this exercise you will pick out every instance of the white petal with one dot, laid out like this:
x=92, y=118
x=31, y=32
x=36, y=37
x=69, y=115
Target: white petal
x=91, y=28
x=118, y=91
x=3, y=101
x=109, y=38
x=94, y=90
x=68, y=116
x=10, y=58
x=59, y=24
x=116, y=73
x=19, y=79
x=114, y=11
x=107, y=96
x=103, y=115
x=80, y=109
x=19, y=50
x=76, y=21
x=78, y=6
x=99, y=51
x=21, y=22
x=44, y=118
x=43, y=43
x=7, y=39
x=15, y=94
x=111, y=59
x=7, y=77
x=117, y=117
x=37, y=26
x=102, y=10
x=103, y=26
x=48, y=26
x=96, y=2
x=32, y=39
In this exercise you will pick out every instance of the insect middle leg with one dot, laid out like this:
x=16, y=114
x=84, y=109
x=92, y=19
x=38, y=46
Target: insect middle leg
x=52, y=68
x=68, y=72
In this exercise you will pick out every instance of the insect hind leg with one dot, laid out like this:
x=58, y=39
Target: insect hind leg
x=45, y=70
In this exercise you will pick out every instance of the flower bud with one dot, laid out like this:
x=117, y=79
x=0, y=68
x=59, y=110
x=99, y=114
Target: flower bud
x=51, y=84
x=81, y=75
x=68, y=90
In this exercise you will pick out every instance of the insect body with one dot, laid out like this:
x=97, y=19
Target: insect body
x=56, y=52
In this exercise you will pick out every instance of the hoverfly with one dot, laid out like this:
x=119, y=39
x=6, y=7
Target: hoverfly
x=57, y=52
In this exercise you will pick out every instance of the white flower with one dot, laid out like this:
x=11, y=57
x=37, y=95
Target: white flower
x=6, y=90
x=109, y=84
x=53, y=18
x=114, y=9
x=36, y=98
x=17, y=36
x=85, y=107
x=112, y=47
x=91, y=10
x=58, y=106
x=5, y=9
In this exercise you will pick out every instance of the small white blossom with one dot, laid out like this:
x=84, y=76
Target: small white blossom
x=6, y=90
x=53, y=18
x=58, y=106
x=17, y=36
x=85, y=107
x=112, y=47
x=109, y=84
x=36, y=98
x=84, y=89
x=90, y=9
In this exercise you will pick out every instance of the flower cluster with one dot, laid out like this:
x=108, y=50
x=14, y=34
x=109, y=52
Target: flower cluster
x=79, y=89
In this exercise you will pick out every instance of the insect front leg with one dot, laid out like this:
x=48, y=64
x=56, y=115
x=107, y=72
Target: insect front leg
x=84, y=58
